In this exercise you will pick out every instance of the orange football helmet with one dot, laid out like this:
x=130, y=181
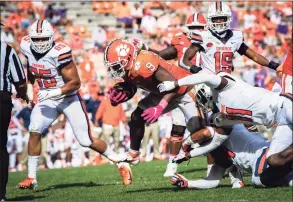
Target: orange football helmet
x=196, y=21
x=118, y=58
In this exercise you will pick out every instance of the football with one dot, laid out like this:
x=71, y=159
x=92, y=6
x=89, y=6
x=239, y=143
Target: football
x=125, y=87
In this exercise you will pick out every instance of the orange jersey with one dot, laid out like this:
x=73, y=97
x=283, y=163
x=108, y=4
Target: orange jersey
x=181, y=42
x=143, y=71
x=287, y=66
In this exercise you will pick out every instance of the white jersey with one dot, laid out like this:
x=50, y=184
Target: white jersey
x=246, y=146
x=47, y=68
x=252, y=105
x=216, y=55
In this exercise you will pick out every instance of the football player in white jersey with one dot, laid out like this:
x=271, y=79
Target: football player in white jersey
x=239, y=102
x=218, y=44
x=52, y=66
x=244, y=149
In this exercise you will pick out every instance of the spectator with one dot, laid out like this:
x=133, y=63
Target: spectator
x=148, y=24
x=151, y=130
x=248, y=20
x=137, y=14
x=261, y=76
x=111, y=117
x=123, y=14
x=99, y=38
x=248, y=74
x=258, y=32
x=76, y=44
x=283, y=27
x=87, y=69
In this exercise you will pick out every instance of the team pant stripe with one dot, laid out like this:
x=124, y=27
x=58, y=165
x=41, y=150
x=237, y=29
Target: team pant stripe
x=85, y=113
x=284, y=82
x=287, y=95
x=238, y=111
x=261, y=162
x=39, y=26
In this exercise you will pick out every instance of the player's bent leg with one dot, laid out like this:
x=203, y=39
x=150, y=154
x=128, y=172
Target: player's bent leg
x=137, y=128
x=176, y=138
x=42, y=116
x=279, y=157
x=78, y=119
x=280, y=150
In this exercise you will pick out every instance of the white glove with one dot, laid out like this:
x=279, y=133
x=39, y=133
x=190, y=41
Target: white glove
x=166, y=86
x=47, y=94
x=182, y=156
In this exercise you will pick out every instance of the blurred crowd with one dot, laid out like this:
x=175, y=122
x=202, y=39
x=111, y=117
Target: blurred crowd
x=267, y=28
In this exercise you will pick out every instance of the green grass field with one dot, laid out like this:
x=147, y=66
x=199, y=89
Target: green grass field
x=101, y=183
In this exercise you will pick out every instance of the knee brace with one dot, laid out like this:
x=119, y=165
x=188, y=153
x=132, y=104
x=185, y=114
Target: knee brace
x=177, y=133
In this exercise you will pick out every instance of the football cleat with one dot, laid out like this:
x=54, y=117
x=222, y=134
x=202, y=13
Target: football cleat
x=171, y=170
x=125, y=172
x=28, y=183
x=179, y=181
x=133, y=159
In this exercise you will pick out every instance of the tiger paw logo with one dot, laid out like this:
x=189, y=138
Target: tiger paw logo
x=122, y=50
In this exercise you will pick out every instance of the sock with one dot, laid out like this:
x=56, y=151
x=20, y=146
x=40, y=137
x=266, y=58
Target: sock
x=209, y=169
x=171, y=157
x=110, y=154
x=33, y=166
x=12, y=160
x=133, y=151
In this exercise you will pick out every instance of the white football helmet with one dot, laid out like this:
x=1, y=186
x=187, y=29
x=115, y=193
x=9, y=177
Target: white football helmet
x=204, y=96
x=216, y=10
x=41, y=35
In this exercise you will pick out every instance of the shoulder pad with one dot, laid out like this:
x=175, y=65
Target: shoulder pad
x=197, y=37
x=62, y=54
x=60, y=49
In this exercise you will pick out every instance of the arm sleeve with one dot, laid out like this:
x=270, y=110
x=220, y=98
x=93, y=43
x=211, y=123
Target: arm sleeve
x=217, y=140
x=242, y=49
x=17, y=71
x=211, y=80
x=212, y=181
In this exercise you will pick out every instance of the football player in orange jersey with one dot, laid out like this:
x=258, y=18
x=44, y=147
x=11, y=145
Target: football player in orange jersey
x=179, y=43
x=146, y=70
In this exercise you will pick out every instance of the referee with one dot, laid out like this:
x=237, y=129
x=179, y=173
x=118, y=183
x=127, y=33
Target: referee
x=11, y=72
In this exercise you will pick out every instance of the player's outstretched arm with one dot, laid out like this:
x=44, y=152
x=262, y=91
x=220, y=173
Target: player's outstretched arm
x=188, y=55
x=211, y=80
x=70, y=75
x=259, y=59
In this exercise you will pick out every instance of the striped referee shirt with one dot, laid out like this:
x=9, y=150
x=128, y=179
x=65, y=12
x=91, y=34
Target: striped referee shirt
x=11, y=69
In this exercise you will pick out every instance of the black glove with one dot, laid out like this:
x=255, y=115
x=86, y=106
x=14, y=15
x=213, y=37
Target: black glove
x=194, y=69
x=273, y=65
